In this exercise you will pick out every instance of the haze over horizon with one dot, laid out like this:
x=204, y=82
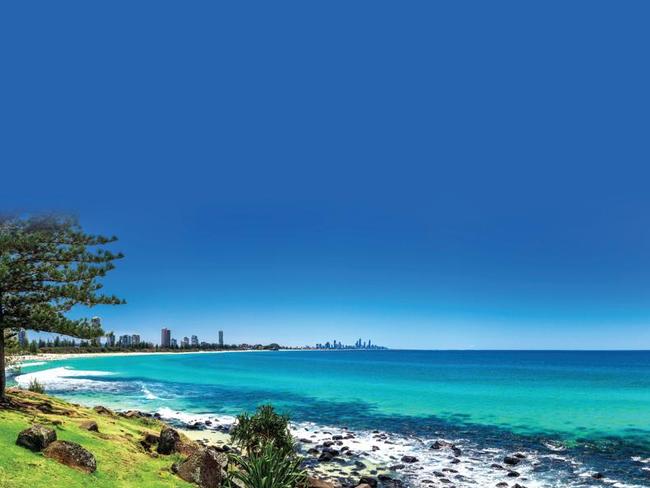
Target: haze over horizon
x=312, y=176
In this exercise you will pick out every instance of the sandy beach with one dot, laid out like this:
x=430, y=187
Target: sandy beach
x=25, y=358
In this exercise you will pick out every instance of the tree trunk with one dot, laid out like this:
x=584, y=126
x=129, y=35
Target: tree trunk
x=3, y=376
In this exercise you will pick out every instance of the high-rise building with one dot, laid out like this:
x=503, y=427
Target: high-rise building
x=110, y=339
x=135, y=339
x=165, y=337
x=185, y=342
x=195, y=341
x=221, y=338
x=22, y=337
x=125, y=341
x=174, y=343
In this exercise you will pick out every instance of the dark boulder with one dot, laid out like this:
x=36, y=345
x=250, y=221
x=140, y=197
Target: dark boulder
x=36, y=438
x=205, y=467
x=511, y=460
x=409, y=459
x=71, y=454
x=368, y=480
x=169, y=442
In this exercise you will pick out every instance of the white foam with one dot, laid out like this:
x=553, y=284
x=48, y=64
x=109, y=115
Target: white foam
x=192, y=418
x=36, y=363
x=67, y=379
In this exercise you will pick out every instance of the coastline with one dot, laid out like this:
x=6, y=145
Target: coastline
x=342, y=452
x=47, y=357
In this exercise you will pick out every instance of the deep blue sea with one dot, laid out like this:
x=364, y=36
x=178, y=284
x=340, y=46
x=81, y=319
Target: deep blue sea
x=571, y=414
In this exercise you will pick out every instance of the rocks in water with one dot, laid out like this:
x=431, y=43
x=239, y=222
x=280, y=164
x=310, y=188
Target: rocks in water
x=71, y=454
x=511, y=460
x=502, y=484
x=169, y=441
x=206, y=467
x=598, y=476
x=103, y=410
x=328, y=454
x=456, y=450
x=437, y=445
x=513, y=474
x=89, y=425
x=36, y=438
x=409, y=459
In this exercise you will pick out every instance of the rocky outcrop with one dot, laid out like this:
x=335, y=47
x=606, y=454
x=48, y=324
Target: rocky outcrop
x=71, y=454
x=103, y=410
x=36, y=438
x=206, y=467
x=90, y=425
x=169, y=442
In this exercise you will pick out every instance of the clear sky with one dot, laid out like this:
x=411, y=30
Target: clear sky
x=424, y=174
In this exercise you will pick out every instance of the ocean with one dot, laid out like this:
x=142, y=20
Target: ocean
x=569, y=414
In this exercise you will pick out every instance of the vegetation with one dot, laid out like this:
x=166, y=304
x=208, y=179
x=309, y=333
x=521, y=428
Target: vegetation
x=271, y=461
x=269, y=468
x=47, y=266
x=266, y=426
x=36, y=386
x=121, y=461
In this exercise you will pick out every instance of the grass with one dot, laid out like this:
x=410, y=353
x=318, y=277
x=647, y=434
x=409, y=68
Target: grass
x=121, y=461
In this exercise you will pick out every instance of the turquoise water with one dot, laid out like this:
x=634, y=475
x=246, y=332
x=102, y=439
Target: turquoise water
x=594, y=403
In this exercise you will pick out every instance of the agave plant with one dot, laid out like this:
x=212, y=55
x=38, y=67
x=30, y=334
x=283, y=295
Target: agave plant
x=270, y=467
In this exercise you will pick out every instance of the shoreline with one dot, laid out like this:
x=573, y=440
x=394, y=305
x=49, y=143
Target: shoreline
x=48, y=356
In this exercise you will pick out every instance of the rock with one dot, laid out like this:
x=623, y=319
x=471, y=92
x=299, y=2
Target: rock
x=36, y=438
x=205, y=467
x=367, y=480
x=328, y=455
x=71, y=454
x=456, y=450
x=103, y=410
x=513, y=474
x=148, y=441
x=502, y=484
x=409, y=459
x=90, y=425
x=511, y=460
x=169, y=441
x=316, y=483
x=437, y=445
x=598, y=476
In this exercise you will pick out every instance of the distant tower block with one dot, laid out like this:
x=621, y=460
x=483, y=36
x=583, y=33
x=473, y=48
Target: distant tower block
x=221, y=338
x=165, y=337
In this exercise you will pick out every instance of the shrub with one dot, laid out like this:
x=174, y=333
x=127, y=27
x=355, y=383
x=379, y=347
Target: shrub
x=253, y=432
x=36, y=386
x=270, y=467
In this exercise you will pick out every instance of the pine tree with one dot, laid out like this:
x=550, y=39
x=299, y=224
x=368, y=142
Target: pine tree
x=47, y=266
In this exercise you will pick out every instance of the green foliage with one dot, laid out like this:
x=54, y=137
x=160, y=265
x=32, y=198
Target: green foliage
x=270, y=467
x=266, y=426
x=33, y=347
x=47, y=266
x=36, y=386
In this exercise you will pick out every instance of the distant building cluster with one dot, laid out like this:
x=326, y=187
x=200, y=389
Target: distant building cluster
x=360, y=344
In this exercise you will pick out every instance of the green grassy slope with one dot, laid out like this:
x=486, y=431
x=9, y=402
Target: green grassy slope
x=121, y=461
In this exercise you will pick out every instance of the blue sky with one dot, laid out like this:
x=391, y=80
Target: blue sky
x=428, y=175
